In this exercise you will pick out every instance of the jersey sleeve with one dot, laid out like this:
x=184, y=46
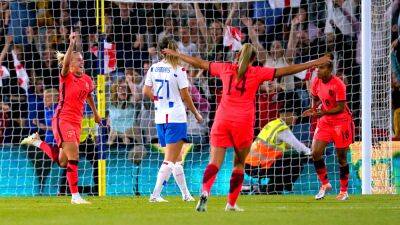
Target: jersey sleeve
x=182, y=79
x=216, y=68
x=314, y=91
x=265, y=73
x=340, y=91
x=148, y=81
x=91, y=86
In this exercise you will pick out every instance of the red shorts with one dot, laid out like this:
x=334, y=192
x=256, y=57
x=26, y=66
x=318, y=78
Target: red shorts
x=65, y=131
x=341, y=133
x=231, y=134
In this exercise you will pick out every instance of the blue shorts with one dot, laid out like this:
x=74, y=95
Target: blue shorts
x=170, y=133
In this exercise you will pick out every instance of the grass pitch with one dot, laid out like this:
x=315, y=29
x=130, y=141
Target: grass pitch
x=259, y=210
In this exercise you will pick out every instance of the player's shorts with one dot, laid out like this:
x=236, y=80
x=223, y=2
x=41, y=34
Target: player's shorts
x=170, y=133
x=341, y=133
x=231, y=134
x=65, y=131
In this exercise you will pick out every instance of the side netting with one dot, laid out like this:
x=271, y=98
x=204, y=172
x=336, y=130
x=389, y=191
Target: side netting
x=124, y=153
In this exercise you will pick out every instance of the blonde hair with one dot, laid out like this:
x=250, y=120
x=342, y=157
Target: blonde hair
x=60, y=57
x=247, y=54
x=170, y=44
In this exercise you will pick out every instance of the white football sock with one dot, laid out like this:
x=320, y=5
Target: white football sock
x=180, y=179
x=163, y=176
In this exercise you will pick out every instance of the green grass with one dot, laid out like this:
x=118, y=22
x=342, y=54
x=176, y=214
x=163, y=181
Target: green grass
x=260, y=210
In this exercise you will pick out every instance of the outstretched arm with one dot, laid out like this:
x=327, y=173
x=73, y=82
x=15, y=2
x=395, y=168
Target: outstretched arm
x=194, y=61
x=295, y=68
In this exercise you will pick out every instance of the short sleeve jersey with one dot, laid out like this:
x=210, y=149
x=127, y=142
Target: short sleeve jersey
x=330, y=94
x=72, y=97
x=238, y=96
x=166, y=83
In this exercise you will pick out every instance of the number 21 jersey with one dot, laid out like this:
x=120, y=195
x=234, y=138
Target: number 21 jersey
x=166, y=83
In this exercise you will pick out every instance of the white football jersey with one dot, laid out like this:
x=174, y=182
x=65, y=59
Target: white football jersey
x=166, y=83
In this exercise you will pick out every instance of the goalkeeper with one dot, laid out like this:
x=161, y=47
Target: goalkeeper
x=271, y=157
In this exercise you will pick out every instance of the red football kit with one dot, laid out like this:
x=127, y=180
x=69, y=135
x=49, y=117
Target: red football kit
x=337, y=128
x=66, y=123
x=234, y=120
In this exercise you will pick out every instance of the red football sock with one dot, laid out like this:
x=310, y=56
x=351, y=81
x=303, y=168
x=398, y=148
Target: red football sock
x=344, y=178
x=51, y=151
x=235, y=186
x=209, y=177
x=321, y=170
x=72, y=176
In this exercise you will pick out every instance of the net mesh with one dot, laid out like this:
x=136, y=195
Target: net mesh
x=284, y=33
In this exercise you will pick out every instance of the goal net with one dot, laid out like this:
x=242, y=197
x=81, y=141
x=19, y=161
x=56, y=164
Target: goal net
x=122, y=156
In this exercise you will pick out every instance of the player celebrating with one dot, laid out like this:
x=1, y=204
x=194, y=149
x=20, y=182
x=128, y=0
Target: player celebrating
x=234, y=119
x=167, y=85
x=335, y=124
x=75, y=89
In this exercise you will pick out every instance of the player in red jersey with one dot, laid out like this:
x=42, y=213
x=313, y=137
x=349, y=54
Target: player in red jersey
x=335, y=124
x=75, y=89
x=234, y=119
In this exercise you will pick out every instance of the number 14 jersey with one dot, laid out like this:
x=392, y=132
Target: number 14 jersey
x=238, y=96
x=166, y=83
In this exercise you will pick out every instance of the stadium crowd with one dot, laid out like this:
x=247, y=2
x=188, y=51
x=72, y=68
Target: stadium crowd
x=32, y=31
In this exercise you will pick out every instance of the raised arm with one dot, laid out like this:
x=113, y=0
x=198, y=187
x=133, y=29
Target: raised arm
x=295, y=68
x=68, y=54
x=293, y=40
x=5, y=48
x=262, y=53
x=194, y=61
x=234, y=7
x=201, y=21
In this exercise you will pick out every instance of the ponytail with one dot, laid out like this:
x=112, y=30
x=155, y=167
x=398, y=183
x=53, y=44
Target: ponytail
x=60, y=58
x=247, y=54
x=170, y=44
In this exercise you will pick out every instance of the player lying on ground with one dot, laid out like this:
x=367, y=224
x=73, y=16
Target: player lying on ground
x=167, y=85
x=75, y=89
x=234, y=119
x=335, y=124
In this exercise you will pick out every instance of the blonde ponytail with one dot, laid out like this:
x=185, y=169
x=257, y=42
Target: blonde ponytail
x=247, y=54
x=169, y=43
x=173, y=60
x=60, y=58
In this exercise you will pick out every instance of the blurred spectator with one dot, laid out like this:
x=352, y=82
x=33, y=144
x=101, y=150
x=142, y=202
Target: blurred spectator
x=169, y=26
x=4, y=18
x=50, y=105
x=180, y=10
x=16, y=99
x=197, y=133
x=36, y=107
x=185, y=45
x=21, y=15
x=122, y=113
x=48, y=69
